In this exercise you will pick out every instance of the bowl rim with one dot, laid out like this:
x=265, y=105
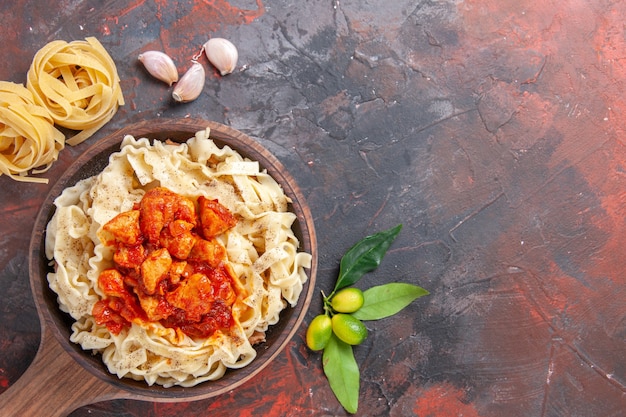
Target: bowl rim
x=89, y=163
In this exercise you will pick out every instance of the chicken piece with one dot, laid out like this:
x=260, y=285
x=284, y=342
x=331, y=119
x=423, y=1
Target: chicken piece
x=128, y=307
x=222, y=289
x=180, y=227
x=194, y=296
x=210, y=251
x=178, y=270
x=154, y=269
x=215, y=219
x=111, y=282
x=161, y=206
x=156, y=308
x=220, y=317
x=132, y=279
x=177, y=238
x=107, y=316
x=130, y=257
x=125, y=227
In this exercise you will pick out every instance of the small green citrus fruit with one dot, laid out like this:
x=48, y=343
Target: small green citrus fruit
x=319, y=331
x=347, y=300
x=349, y=329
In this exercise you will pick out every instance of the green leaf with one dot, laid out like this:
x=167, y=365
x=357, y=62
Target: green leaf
x=342, y=373
x=388, y=299
x=365, y=256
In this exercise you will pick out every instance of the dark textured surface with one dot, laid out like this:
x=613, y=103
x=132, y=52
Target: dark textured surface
x=493, y=130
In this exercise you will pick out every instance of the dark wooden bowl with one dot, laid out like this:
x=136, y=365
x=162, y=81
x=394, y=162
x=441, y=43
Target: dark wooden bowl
x=76, y=377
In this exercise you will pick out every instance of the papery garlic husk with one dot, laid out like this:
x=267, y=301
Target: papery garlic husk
x=222, y=54
x=190, y=85
x=160, y=66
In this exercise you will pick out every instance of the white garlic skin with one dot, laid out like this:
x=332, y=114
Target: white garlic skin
x=190, y=85
x=222, y=54
x=160, y=66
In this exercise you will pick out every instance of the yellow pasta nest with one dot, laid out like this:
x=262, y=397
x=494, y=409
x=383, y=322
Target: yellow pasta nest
x=78, y=83
x=28, y=138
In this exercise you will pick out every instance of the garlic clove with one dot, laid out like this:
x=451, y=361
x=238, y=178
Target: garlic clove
x=222, y=54
x=160, y=66
x=190, y=85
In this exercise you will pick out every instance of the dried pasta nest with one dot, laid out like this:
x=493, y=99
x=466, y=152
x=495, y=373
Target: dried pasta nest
x=78, y=83
x=28, y=138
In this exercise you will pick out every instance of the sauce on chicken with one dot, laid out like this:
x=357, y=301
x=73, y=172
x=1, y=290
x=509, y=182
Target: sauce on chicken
x=169, y=268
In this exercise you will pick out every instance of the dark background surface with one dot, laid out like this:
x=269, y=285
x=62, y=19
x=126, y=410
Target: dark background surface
x=492, y=130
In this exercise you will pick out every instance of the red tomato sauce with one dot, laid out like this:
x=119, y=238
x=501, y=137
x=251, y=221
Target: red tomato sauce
x=169, y=268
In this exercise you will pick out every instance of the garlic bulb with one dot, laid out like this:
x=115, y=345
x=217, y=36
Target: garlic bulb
x=160, y=66
x=222, y=54
x=190, y=85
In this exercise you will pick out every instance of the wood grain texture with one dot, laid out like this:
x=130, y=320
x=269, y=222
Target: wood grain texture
x=55, y=385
